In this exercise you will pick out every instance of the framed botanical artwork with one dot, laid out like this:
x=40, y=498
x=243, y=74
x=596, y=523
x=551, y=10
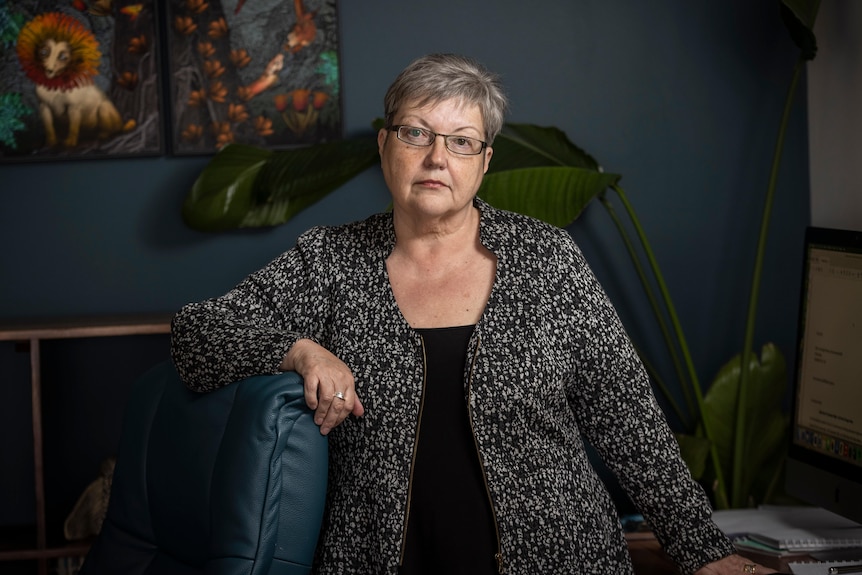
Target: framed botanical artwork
x=79, y=79
x=258, y=72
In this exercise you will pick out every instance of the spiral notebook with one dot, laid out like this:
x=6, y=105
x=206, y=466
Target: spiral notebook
x=790, y=528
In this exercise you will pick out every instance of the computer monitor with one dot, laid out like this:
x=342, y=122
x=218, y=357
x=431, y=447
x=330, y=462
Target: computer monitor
x=824, y=465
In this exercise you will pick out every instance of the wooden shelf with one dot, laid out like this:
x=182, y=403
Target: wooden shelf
x=110, y=326
x=70, y=550
x=32, y=333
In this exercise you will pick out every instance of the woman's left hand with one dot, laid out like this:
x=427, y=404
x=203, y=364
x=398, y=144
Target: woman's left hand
x=733, y=565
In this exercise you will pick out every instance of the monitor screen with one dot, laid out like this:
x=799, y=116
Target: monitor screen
x=824, y=465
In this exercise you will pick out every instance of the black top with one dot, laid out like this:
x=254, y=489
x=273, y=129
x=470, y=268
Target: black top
x=450, y=529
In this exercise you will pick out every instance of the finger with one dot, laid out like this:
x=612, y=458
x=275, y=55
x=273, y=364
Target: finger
x=325, y=399
x=358, y=409
x=310, y=392
x=337, y=412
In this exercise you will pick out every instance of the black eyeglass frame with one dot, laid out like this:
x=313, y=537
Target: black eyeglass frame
x=397, y=130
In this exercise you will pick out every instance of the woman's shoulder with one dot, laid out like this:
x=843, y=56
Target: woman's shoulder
x=375, y=230
x=515, y=227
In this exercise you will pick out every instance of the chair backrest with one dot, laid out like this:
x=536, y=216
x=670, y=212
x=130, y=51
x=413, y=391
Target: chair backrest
x=232, y=481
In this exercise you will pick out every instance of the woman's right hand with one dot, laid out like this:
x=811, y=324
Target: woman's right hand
x=329, y=386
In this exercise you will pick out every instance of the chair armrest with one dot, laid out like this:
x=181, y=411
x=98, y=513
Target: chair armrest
x=231, y=481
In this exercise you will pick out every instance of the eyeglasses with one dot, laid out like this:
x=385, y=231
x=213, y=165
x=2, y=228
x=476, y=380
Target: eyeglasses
x=456, y=144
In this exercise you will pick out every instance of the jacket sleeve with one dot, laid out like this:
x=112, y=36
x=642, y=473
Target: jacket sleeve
x=619, y=416
x=248, y=330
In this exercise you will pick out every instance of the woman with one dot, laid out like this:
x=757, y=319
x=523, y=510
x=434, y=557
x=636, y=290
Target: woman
x=455, y=354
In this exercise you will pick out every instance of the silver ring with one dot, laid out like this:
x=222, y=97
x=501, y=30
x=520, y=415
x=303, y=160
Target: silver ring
x=339, y=395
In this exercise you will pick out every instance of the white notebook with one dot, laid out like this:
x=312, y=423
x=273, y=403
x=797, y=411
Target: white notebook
x=790, y=528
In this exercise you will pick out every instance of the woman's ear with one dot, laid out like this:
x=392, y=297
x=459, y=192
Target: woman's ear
x=382, y=134
x=489, y=151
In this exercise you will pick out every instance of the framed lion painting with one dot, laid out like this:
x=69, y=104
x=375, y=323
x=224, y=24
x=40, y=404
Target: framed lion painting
x=79, y=79
x=258, y=72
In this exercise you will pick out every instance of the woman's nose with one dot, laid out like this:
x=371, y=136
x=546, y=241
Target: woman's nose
x=437, y=152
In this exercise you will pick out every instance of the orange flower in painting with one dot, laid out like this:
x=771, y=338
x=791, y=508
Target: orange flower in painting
x=218, y=92
x=206, y=49
x=213, y=68
x=281, y=101
x=138, y=45
x=220, y=128
x=196, y=6
x=263, y=126
x=300, y=99
x=197, y=98
x=319, y=100
x=217, y=29
x=130, y=10
x=223, y=133
x=184, y=25
x=192, y=133
x=240, y=58
x=304, y=111
x=237, y=113
x=243, y=93
x=128, y=80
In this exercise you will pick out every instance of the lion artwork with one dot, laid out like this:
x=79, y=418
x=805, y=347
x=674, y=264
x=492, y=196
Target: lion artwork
x=62, y=56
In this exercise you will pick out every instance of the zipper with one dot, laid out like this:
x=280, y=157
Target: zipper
x=413, y=455
x=498, y=556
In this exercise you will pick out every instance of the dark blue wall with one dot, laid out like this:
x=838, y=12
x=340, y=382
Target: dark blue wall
x=682, y=98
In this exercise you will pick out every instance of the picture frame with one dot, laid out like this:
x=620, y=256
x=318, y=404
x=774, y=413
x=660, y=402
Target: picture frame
x=259, y=72
x=80, y=79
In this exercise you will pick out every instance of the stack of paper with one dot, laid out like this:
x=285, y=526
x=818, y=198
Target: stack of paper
x=783, y=530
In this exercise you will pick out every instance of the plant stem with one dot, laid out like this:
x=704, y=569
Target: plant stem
x=739, y=497
x=687, y=419
x=694, y=384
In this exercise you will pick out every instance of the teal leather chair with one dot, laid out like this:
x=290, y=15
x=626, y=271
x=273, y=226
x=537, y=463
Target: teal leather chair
x=227, y=482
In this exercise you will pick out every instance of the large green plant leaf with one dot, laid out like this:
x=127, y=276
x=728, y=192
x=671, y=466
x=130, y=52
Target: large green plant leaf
x=695, y=452
x=294, y=179
x=539, y=172
x=305, y=175
x=246, y=186
x=222, y=195
x=765, y=424
x=556, y=195
x=529, y=146
x=799, y=17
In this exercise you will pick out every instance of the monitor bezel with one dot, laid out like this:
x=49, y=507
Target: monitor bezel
x=812, y=476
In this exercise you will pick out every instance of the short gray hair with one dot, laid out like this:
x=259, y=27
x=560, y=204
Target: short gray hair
x=438, y=77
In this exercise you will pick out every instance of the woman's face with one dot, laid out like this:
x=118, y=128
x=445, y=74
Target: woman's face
x=431, y=181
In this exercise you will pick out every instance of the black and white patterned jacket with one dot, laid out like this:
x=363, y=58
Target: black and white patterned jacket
x=549, y=362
